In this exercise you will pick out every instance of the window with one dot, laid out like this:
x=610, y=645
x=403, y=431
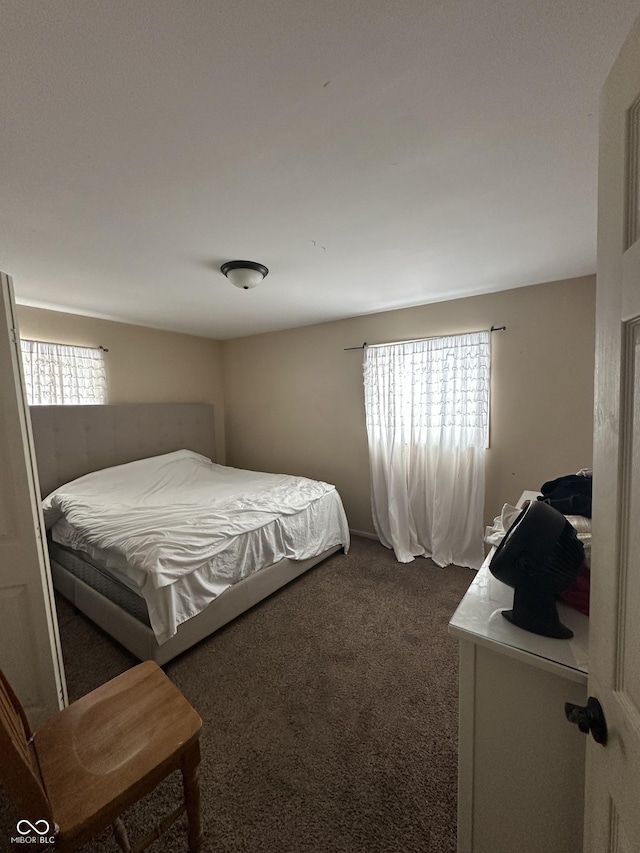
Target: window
x=58, y=374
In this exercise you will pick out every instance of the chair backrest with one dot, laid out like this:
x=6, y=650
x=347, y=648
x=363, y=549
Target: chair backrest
x=19, y=765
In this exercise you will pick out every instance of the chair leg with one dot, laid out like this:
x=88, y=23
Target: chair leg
x=191, y=786
x=120, y=835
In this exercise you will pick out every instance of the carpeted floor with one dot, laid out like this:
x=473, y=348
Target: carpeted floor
x=330, y=714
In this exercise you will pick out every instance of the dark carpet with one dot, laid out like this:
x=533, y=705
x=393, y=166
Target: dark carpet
x=330, y=714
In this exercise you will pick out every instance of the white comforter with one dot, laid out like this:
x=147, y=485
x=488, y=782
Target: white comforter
x=172, y=522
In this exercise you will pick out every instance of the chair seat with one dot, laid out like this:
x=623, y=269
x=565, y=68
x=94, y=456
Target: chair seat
x=112, y=747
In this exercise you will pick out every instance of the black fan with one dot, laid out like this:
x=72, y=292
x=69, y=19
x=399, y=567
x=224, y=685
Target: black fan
x=540, y=557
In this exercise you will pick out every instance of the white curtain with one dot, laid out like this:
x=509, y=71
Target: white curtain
x=427, y=414
x=57, y=374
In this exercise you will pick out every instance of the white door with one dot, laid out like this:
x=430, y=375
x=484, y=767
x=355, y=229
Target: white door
x=29, y=644
x=612, y=797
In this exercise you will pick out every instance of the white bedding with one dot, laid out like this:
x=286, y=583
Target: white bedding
x=180, y=529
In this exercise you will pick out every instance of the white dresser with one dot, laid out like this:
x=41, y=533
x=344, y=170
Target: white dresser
x=521, y=763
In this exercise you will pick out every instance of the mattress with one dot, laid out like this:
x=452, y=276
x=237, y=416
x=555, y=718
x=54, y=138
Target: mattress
x=82, y=566
x=180, y=555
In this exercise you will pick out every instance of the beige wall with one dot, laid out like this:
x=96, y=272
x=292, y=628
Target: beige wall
x=294, y=399
x=143, y=365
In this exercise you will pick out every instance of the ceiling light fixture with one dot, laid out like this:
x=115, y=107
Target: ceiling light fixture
x=244, y=274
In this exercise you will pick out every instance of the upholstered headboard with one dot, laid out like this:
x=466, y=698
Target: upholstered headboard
x=73, y=440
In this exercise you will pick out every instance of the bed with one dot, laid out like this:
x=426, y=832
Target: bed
x=74, y=441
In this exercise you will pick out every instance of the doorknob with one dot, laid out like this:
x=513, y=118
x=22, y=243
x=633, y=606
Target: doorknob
x=588, y=718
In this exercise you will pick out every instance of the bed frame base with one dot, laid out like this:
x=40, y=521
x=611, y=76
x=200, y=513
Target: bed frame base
x=140, y=640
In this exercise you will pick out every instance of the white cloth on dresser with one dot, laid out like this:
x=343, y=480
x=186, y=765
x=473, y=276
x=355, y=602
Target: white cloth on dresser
x=494, y=534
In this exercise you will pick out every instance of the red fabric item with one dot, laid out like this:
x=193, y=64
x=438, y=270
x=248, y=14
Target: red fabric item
x=577, y=595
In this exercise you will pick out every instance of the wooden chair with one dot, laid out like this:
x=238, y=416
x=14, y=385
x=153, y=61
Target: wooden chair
x=89, y=763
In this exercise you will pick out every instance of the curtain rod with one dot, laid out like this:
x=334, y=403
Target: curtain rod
x=432, y=338
x=58, y=344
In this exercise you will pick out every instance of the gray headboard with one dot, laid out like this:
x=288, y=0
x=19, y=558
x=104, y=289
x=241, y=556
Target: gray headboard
x=73, y=440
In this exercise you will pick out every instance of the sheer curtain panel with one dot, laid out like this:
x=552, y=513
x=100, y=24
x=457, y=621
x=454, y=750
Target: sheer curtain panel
x=57, y=374
x=427, y=415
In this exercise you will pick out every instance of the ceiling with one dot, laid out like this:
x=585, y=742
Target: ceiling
x=374, y=155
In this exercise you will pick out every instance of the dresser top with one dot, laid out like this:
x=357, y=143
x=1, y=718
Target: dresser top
x=479, y=619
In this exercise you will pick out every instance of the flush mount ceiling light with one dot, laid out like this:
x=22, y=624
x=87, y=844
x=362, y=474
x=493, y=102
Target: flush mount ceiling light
x=244, y=274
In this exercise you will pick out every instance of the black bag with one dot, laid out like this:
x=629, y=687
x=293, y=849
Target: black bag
x=570, y=495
